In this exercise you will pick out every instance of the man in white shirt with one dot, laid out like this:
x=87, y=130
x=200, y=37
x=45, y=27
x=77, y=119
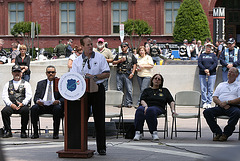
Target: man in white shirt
x=47, y=101
x=94, y=65
x=227, y=100
x=17, y=94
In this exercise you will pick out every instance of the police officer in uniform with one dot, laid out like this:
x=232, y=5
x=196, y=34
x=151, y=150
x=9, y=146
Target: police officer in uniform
x=17, y=94
x=126, y=66
x=155, y=53
x=60, y=49
x=230, y=57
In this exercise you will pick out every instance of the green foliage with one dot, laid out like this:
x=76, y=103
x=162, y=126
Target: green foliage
x=137, y=27
x=191, y=22
x=50, y=50
x=23, y=29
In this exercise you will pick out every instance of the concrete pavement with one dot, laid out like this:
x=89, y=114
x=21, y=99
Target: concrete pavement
x=182, y=148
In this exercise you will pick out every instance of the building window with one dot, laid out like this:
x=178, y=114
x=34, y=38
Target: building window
x=67, y=18
x=171, y=11
x=15, y=13
x=119, y=15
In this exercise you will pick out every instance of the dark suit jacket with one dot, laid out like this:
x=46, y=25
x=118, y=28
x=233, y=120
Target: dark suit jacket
x=40, y=91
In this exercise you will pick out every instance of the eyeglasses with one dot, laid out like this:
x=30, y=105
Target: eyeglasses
x=22, y=49
x=49, y=72
x=157, y=78
x=124, y=46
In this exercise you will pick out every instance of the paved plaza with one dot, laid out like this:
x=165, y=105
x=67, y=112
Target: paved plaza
x=182, y=148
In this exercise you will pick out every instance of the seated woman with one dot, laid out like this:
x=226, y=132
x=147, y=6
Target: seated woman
x=153, y=102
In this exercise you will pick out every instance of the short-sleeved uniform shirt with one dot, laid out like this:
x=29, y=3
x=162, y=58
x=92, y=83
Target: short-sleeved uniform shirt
x=97, y=64
x=157, y=97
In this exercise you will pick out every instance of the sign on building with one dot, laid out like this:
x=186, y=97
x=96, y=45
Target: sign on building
x=121, y=32
x=218, y=23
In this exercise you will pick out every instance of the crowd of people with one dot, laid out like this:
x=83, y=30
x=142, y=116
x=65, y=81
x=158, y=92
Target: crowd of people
x=94, y=63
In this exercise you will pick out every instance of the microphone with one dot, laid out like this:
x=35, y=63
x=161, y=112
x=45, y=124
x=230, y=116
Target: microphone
x=206, y=77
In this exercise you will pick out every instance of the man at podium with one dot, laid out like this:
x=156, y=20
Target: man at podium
x=94, y=65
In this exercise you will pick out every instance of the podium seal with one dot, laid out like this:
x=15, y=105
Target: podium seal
x=72, y=86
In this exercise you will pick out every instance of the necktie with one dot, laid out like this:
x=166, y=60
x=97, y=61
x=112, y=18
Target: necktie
x=49, y=94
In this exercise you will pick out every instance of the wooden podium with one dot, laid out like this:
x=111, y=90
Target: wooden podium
x=75, y=127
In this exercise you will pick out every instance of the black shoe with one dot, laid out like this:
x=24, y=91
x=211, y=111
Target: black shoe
x=23, y=135
x=102, y=152
x=35, y=136
x=7, y=134
x=55, y=137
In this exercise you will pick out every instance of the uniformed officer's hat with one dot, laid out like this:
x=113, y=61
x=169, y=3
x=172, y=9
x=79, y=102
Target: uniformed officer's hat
x=16, y=68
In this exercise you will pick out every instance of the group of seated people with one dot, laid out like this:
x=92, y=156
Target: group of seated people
x=17, y=95
x=155, y=98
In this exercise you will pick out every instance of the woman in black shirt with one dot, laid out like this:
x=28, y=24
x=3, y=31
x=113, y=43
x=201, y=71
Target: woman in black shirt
x=24, y=61
x=153, y=102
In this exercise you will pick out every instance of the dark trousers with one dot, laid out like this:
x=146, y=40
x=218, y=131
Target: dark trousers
x=96, y=100
x=232, y=112
x=8, y=111
x=150, y=117
x=37, y=110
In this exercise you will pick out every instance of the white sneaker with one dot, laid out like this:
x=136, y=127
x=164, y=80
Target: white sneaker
x=137, y=136
x=205, y=105
x=209, y=106
x=155, y=136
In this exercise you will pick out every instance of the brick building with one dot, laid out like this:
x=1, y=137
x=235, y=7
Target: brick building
x=64, y=19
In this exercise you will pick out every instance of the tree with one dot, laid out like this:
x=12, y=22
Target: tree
x=191, y=22
x=24, y=29
x=136, y=27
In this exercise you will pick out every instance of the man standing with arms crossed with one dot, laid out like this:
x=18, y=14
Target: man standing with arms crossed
x=94, y=65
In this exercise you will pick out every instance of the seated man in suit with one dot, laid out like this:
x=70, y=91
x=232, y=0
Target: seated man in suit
x=47, y=102
x=17, y=94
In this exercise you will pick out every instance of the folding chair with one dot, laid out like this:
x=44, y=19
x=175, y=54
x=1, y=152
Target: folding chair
x=114, y=98
x=187, y=99
x=165, y=129
x=28, y=126
x=49, y=116
x=227, y=118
